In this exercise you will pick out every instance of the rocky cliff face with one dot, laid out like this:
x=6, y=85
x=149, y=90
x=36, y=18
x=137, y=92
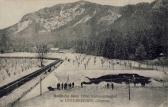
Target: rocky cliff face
x=67, y=20
x=85, y=20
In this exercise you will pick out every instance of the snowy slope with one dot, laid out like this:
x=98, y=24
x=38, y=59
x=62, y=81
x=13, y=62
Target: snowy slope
x=153, y=95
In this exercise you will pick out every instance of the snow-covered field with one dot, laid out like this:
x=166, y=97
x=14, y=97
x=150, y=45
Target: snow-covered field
x=93, y=96
x=76, y=67
x=14, y=68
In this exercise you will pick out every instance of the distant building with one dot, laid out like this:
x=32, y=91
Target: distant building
x=54, y=50
x=161, y=55
x=58, y=50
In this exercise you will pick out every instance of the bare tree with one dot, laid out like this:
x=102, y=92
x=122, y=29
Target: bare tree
x=41, y=50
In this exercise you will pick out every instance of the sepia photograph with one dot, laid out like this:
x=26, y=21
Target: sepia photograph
x=83, y=53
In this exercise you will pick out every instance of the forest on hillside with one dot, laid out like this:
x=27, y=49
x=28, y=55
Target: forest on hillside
x=141, y=33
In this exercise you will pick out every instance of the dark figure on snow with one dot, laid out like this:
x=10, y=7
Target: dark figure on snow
x=143, y=84
x=73, y=85
x=112, y=86
x=69, y=85
x=107, y=85
x=58, y=86
x=81, y=85
x=62, y=86
x=65, y=86
x=50, y=89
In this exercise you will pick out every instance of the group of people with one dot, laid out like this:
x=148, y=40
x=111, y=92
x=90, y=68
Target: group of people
x=65, y=86
x=110, y=85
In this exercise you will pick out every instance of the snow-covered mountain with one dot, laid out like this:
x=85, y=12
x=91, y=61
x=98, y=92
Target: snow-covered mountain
x=67, y=16
x=86, y=20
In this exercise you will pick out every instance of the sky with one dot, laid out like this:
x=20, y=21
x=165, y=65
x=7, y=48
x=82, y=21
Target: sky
x=11, y=11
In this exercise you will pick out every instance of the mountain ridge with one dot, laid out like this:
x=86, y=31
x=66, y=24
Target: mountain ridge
x=143, y=24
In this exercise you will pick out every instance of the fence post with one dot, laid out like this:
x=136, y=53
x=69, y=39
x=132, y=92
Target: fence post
x=40, y=86
x=129, y=91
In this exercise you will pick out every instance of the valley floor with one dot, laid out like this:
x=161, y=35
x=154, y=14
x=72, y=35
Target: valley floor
x=76, y=67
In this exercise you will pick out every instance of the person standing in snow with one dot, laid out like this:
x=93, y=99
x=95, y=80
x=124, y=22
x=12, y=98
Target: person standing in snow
x=112, y=86
x=62, y=86
x=58, y=86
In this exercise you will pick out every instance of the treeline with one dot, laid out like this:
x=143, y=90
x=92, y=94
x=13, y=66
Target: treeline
x=11, y=45
x=111, y=44
x=4, y=43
